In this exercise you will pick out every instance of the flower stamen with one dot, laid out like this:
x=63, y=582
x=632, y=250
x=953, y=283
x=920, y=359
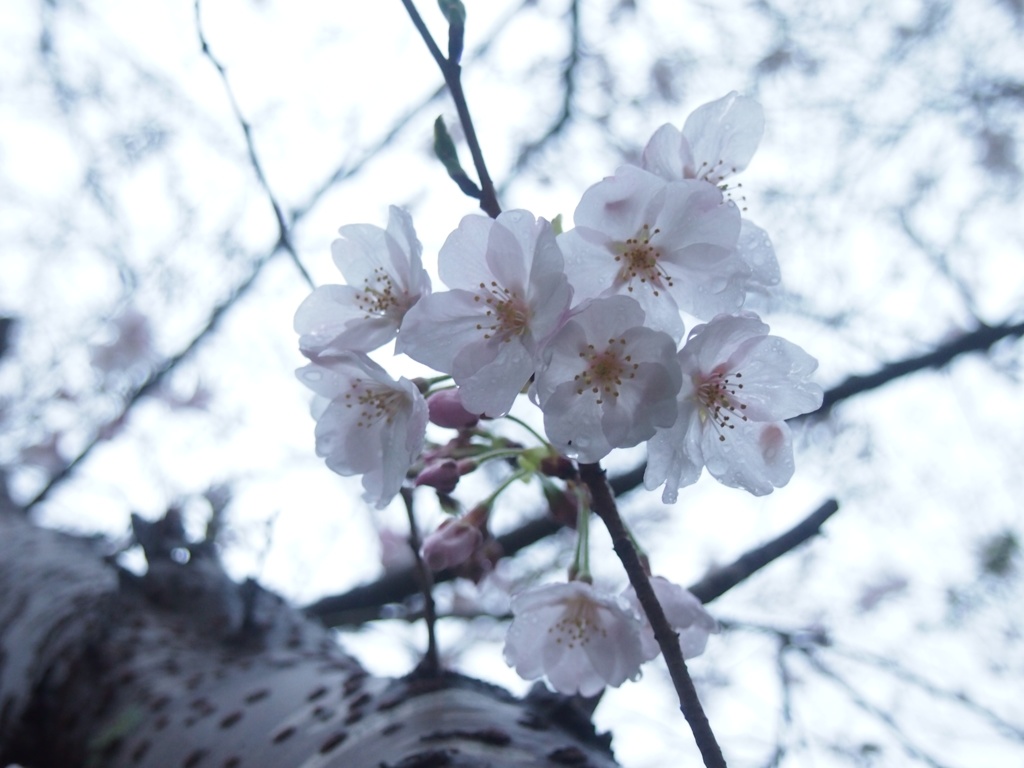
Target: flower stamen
x=379, y=296
x=718, y=395
x=376, y=403
x=605, y=370
x=639, y=260
x=507, y=312
x=578, y=625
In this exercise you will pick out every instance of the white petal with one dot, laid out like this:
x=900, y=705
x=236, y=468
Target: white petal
x=755, y=456
x=756, y=251
x=667, y=154
x=674, y=456
x=723, y=136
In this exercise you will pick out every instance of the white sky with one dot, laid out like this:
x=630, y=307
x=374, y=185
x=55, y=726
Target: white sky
x=144, y=174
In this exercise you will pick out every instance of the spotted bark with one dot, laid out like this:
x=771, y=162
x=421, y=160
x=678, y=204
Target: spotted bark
x=182, y=668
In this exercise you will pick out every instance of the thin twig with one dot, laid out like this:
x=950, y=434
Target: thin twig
x=566, y=113
x=157, y=377
x=892, y=667
x=668, y=639
x=452, y=73
x=858, y=698
x=284, y=235
x=721, y=580
x=978, y=340
x=431, y=664
x=347, y=170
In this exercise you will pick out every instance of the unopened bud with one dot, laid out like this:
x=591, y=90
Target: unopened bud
x=452, y=544
x=481, y=562
x=564, y=506
x=557, y=465
x=446, y=410
x=442, y=475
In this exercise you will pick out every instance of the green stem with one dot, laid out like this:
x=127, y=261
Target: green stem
x=581, y=563
x=540, y=438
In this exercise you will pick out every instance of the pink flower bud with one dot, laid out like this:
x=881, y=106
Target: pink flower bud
x=451, y=544
x=446, y=410
x=564, y=506
x=442, y=475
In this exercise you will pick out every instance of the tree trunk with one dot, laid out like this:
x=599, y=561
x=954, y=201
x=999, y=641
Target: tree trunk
x=182, y=668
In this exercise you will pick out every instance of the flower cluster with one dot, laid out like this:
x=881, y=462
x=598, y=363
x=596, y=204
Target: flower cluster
x=589, y=323
x=589, y=319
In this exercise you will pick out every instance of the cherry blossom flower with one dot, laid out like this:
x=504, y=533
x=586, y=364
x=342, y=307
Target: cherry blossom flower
x=685, y=615
x=608, y=381
x=385, y=278
x=670, y=246
x=579, y=638
x=739, y=386
x=509, y=293
x=717, y=141
x=366, y=422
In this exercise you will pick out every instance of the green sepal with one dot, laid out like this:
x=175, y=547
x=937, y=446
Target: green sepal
x=556, y=225
x=454, y=11
x=530, y=459
x=444, y=148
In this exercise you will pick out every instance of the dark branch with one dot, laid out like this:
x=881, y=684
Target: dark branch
x=452, y=72
x=978, y=340
x=364, y=603
x=430, y=666
x=721, y=580
x=668, y=640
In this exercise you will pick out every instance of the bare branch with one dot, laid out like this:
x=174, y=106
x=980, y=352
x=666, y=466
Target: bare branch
x=364, y=603
x=452, y=72
x=430, y=666
x=284, y=236
x=978, y=340
x=668, y=639
x=721, y=580
x=858, y=698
